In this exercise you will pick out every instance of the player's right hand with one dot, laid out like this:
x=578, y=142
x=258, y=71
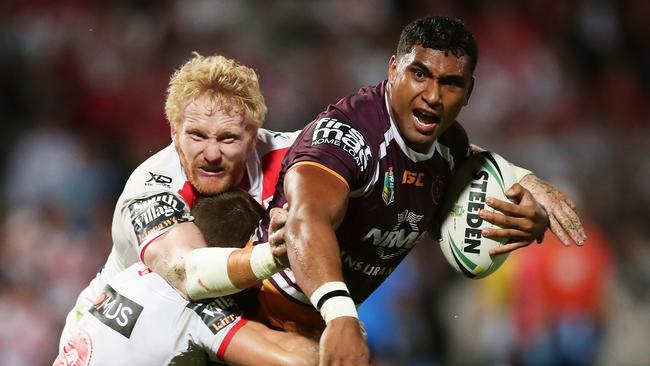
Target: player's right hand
x=343, y=343
x=278, y=218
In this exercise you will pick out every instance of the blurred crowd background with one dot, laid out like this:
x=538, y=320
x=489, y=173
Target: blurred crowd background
x=563, y=88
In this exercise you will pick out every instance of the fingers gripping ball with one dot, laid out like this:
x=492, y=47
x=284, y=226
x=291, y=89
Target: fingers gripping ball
x=464, y=247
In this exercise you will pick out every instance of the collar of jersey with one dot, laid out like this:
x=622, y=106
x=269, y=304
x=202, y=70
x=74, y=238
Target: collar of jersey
x=412, y=154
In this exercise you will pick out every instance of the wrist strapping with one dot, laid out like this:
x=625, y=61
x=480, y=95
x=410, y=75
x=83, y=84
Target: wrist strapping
x=262, y=262
x=333, y=300
x=206, y=273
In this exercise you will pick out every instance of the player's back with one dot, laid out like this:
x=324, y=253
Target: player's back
x=139, y=319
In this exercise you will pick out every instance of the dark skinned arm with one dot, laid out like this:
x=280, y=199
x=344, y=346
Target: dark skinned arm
x=317, y=204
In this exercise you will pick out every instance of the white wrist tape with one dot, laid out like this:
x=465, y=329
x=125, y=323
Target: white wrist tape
x=206, y=273
x=520, y=172
x=333, y=301
x=262, y=262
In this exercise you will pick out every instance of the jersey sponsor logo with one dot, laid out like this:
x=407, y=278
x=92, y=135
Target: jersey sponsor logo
x=412, y=178
x=388, y=193
x=117, y=311
x=332, y=132
x=400, y=239
x=159, y=178
x=216, y=313
x=155, y=213
x=77, y=352
x=367, y=268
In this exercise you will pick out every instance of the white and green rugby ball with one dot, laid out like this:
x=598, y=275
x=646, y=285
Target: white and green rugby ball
x=467, y=251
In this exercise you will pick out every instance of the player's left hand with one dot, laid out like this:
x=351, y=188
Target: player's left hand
x=564, y=220
x=522, y=221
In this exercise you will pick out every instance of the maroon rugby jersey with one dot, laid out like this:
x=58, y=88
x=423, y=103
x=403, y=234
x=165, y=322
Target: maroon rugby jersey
x=394, y=191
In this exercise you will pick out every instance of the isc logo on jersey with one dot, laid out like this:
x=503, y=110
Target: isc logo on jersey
x=467, y=251
x=332, y=132
x=117, y=311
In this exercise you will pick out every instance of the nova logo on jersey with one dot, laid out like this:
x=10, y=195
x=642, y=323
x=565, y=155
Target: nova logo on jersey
x=332, y=132
x=216, y=313
x=155, y=213
x=400, y=239
x=116, y=311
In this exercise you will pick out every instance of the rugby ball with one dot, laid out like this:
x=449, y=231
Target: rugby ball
x=480, y=176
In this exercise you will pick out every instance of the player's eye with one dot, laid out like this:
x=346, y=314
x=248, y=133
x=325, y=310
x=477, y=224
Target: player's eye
x=419, y=75
x=196, y=136
x=229, y=138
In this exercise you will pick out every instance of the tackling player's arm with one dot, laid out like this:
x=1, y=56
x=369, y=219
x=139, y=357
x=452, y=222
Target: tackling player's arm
x=562, y=216
x=181, y=257
x=317, y=201
x=256, y=344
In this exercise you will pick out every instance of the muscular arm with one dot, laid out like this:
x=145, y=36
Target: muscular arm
x=166, y=256
x=317, y=203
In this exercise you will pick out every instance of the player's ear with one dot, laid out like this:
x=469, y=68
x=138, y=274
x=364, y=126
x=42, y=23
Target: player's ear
x=470, y=89
x=252, y=135
x=172, y=131
x=392, y=69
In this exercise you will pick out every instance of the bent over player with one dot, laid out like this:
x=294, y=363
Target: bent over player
x=139, y=319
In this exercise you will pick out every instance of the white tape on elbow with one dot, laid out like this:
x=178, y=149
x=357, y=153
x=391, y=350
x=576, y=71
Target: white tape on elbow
x=262, y=262
x=206, y=271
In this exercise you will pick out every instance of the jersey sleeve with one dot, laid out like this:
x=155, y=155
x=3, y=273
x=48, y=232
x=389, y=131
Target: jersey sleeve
x=145, y=217
x=216, y=321
x=337, y=146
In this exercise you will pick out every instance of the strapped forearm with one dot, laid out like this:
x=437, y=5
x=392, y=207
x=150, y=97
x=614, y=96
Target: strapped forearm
x=212, y=272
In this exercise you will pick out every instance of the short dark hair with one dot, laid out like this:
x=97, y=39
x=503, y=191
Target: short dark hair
x=439, y=33
x=227, y=219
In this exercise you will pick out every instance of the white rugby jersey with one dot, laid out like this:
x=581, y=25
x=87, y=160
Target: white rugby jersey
x=158, y=195
x=139, y=319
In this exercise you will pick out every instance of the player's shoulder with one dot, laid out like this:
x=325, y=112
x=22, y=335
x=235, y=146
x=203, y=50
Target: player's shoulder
x=364, y=110
x=141, y=284
x=160, y=172
x=268, y=140
x=362, y=115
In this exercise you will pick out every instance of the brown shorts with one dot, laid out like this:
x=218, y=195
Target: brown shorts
x=280, y=311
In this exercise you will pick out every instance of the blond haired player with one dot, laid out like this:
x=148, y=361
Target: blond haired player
x=215, y=110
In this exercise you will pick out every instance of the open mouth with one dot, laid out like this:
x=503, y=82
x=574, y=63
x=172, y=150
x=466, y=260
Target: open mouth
x=211, y=170
x=425, y=117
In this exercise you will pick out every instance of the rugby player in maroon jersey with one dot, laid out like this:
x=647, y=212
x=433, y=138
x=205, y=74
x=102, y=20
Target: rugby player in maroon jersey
x=364, y=180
